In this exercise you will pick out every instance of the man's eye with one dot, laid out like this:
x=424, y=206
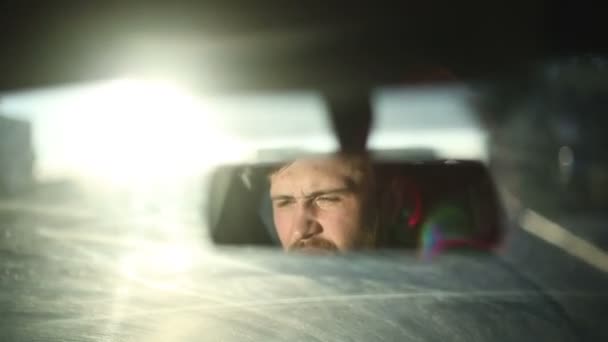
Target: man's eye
x=327, y=200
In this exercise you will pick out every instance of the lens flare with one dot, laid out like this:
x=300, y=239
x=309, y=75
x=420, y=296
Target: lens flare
x=135, y=131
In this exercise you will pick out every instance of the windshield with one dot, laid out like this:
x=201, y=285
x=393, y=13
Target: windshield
x=104, y=231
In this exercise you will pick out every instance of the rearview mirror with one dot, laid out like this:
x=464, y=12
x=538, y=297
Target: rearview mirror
x=352, y=203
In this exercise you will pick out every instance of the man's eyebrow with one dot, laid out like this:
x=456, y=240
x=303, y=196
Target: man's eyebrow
x=312, y=194
x=281, y=197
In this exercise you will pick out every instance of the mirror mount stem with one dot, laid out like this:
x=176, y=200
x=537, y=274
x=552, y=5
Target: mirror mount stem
x=351, y=118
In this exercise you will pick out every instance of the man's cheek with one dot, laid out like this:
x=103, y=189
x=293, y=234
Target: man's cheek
x=338, y=226
x=282, y=227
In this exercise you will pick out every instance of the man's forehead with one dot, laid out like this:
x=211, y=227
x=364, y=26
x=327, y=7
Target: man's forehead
x=313, y=175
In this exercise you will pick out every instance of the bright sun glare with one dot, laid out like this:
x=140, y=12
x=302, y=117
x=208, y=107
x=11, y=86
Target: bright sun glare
x=139, y=131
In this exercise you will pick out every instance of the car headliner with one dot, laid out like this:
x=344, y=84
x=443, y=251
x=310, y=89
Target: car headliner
x=236, y=45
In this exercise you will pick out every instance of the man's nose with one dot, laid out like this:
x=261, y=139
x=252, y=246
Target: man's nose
x=305, y=222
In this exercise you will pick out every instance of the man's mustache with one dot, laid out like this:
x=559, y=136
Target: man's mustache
x=313, y=243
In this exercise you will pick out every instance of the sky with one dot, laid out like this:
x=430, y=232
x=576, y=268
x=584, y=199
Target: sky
x=126, y=127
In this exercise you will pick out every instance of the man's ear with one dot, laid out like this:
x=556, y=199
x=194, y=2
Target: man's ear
x=266, y=215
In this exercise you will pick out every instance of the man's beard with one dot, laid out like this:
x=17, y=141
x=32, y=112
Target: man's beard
x=315, y=245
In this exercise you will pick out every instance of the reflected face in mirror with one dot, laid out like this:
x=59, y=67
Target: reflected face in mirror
x=319, y=205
